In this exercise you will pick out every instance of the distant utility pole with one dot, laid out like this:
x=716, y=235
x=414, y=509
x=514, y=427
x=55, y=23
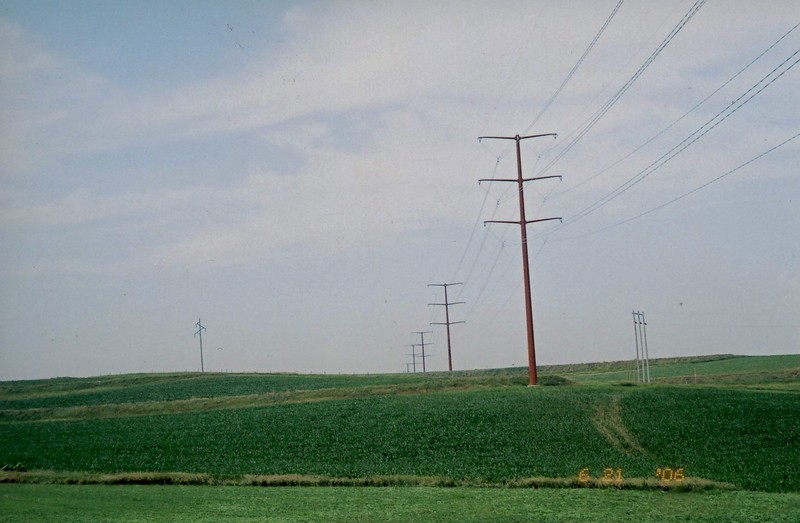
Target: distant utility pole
x=447, y=321
x=523, y=222
x=199, y=333
x=642, y=356
x=422, y=344
x=413, y=357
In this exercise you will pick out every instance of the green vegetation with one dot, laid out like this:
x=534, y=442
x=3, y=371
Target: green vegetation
x=159, y=388
x=709, y=370
x=31, y=503
x=465, y=428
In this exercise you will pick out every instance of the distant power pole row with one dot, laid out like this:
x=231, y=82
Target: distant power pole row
x=447, y=303
x=413, y=354
x=447, y=321
x=523, y=222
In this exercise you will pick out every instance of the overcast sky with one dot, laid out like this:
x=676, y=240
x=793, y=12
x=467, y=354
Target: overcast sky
x=297, y=173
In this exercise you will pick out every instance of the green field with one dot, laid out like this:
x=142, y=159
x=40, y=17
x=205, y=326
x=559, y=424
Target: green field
x=730, y=424
x=385, y=504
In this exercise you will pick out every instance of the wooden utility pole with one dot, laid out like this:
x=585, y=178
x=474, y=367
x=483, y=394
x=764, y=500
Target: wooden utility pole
x=523, y=222
x=447, y=321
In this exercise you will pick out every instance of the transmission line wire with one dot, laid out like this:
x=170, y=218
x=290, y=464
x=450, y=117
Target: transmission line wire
x=686, y=142
x=475, y=225
x=675, y=122
x=575, y=67
x=684, y=195
x=570, y=74
x=615, y=98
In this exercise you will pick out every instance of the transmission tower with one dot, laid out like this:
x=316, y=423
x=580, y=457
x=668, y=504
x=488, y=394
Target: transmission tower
x=414, y=356
x=523, y=222
x=447, y=321
x=199, y=333
x=422, y=345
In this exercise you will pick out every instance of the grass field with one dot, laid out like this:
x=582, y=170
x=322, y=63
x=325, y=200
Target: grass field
x=726, y=422
x=385, y=505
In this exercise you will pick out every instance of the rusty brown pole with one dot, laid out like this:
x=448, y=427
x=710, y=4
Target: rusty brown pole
x=447, y=321
x=523, y=222
x=526, y=273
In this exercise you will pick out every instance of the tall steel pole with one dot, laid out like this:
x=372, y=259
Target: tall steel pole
x=422, y=344
x=523, y=222
x=413, y=357
x=447, y=321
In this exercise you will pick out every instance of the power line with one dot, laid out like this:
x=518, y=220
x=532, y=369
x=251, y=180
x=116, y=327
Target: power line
x=684, y=195
x=615, y=98
x=535, y=120
x=687, y=113
x=692, y=11
x=510, y=295
x=477, y=298
x=571, y=73
x=688, y=141
x=477, y=221
x=574, y=67
x=480, y=247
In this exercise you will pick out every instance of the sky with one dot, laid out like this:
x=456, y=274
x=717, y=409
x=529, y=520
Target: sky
x=296, y=174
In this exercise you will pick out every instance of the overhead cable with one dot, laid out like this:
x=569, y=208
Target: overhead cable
x=684, y=195
x=622, y=90
x=712, y=123
x=687, y=113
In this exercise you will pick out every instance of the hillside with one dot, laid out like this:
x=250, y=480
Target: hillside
x=723, y=419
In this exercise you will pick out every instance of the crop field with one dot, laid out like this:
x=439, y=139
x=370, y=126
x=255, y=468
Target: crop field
x=706, y=427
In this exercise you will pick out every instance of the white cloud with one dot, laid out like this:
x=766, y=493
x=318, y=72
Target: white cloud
x=431, y=77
